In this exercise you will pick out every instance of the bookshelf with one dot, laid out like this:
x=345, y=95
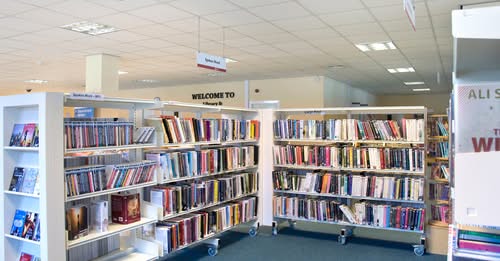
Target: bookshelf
x=328, y=159
x=475, y=226
x=222, y=143
x=438, y=186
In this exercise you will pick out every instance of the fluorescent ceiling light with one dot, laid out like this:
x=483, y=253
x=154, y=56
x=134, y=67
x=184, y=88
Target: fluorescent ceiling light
x=229, y=60
x=401, y=70
x=36, y=81
x=91, y=28
x=122, y=72
x=376, y=46
x=215, y=74
x=148, y=81
x=421, y=90
x=414, y=83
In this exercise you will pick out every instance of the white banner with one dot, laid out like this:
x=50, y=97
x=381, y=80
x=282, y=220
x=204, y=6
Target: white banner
x=409, y=7
x=211, y=62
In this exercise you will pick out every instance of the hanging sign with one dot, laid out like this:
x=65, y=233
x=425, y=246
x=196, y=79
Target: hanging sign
x=211, y=62
x=84, y=112
x=409, y=7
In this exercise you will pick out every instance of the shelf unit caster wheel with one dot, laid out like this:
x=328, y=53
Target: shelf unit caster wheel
x=419, y=250
x=275, y=228
x=292, y=224
x=342, y=240
x=253, y=232
x=212, y=251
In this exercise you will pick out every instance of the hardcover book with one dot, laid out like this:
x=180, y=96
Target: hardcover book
x=17, y=134
x=99, y=216
x=77, y=222
x=26, y=257
x=126, y=208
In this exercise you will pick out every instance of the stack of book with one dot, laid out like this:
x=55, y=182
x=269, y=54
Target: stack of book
x=105, y=158
x=182, y=130
x=173, y=165
x=411, y=159
x=350, y=129
x=185, y=196
x=400, y=188
x=479, y=241
x=102, y=132
x=182, y=231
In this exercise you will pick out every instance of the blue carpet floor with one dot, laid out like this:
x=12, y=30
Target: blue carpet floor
x=297, y=245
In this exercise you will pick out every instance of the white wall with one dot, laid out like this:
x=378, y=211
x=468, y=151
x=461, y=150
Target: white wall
x=339, y=94
x=435, y=103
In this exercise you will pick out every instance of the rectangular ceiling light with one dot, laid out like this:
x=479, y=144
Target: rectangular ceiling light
x=401, y=70
x=91, y=28
x=122, y=72
x=36, y=81
x=377, y=46
x=229, y=60
x=414, y=83
x=421, y=90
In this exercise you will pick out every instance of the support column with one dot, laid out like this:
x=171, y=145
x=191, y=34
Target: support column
x=101, y=74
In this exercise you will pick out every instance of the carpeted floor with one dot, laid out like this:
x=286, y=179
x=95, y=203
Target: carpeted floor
x=297, y=245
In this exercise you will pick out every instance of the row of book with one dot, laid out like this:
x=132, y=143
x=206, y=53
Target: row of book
x=441, y=213
x=438, y=191
x=411, y=159
x=350, y=129
x=24, y=135
x=399, y=188
x=104, y=158
x=25, y=180
x=173, y=165
x=439, y=127
x=83, y=219
x=182, y=130
x=438, y=149
x=479, y=241
x=97, y=132
x=440, y=170
x=26, y=224
x=362, y=213
x=83, y=180
x=175, y=199
x=182, y=231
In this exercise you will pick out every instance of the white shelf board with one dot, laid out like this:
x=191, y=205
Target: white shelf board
x=384, y=171
x=207, y=175
x=23, y=239
x=117, y=103
x=113, y=229
x=320, y=141
x=207, y=206
x=110, y=191
x=127, y=255
x=347, y=196
x=107, y=148
x=33, y=149
x=350, y=224
x=21, y=194
x=357, y=110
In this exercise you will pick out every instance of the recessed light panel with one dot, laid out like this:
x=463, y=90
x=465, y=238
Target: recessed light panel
x=122, y=72
x=376, y=46
x=421, y=90
x=229, y=60
x=401, y=70
x=148, y=81
x=91, y=28
x=414, y=83
x=37, y=81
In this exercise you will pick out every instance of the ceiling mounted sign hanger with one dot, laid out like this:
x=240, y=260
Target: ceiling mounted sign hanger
x=209, y=61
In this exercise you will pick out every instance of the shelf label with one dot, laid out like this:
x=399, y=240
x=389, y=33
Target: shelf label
x=409, y=7
x=84, y=112
x=86, y=96
x=211, y=62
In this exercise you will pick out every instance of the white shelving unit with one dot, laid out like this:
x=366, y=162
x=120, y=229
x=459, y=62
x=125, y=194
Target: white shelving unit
x=339, y=113
x=474, y=116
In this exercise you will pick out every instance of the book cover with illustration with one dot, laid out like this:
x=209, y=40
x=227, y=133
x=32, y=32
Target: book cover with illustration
x=18, y=223
x=17, y=179
x=17, y=134
x=77, y=222
x=28, y=134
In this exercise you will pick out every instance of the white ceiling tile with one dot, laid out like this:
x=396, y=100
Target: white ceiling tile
x=442, y=20
x=186, y=39
x=160, y=13
x=257, y=28
x=204, y=7
x=234, y=18
x=123, y=21
x=80, y=9
x=40, y=2
x=4, y=33
x=47, y=17
x=276, y=38
x=314, y=34
x=411, y=35
x=346, y=18
x=155, y=30
x=219, y=34
x=292, y=46
x=124, y=5
x=253, y=3
x=360, y=29
x=153, y=43
x=378, y=3
x=442, y=6
x=322, y=7
x=124, y=36
x=14, y=7
x=20, y=25
x=300, y=24
x=190, y=25
x=59, y=35
x=242, y=42
x=279, y=11
x=387, y=13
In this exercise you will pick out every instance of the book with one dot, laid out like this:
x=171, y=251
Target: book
x=26, y=257
x=125, y=208
x=28, y=134
x=36, y=137
x=36, y=236
x=17, y=134
x=17, y=179
x=30, y=181
x=30, y=225
x=77, y=221
x=18, y=223
x=479, y=246
x=99, y=216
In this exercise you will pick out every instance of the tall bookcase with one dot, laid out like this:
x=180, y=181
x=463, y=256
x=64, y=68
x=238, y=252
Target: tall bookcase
x=305, y=143
x=131, y=241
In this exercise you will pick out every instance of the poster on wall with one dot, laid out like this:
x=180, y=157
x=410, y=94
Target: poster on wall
x=477, y=152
